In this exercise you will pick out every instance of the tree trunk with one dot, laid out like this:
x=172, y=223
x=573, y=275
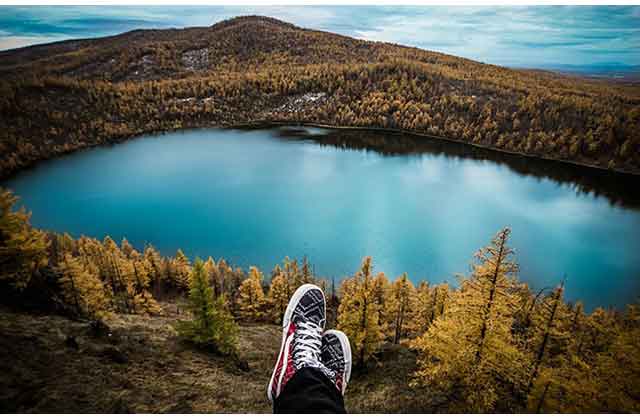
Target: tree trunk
x=545, y=340
x=492, y=292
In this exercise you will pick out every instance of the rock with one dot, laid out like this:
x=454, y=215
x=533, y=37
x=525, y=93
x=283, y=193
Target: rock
x=115, y=354
x=71, y=342
x=182, y=407
x=241, y=364
x=98, y=329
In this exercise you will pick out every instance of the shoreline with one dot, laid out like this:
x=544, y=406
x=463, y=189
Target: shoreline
x=280, y=123
x=258, y=124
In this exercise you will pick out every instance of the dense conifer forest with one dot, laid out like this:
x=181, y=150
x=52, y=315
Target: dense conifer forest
x=491, y=344
x=66, y=96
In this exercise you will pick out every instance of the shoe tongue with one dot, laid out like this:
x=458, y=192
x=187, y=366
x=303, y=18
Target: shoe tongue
x=313, y=319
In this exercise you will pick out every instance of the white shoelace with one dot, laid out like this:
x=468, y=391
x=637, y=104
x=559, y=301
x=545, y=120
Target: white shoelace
x=306, y=351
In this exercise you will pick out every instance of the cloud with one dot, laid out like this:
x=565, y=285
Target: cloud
x=534, y=36
x=11, y=42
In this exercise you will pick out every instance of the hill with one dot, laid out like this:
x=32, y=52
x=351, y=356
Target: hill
x=138, y=364
x=69, y=95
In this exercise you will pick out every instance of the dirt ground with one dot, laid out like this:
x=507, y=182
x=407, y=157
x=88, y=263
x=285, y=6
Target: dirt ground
x=51, y=364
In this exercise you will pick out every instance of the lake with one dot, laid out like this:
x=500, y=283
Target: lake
x=414, y=204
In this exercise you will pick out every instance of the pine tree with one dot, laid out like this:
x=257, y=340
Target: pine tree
x=251, y=297
x=358, y=314
x=23, y=250
x=81, y=289
x=212, y=325
x=469, y=353
x=400, y=306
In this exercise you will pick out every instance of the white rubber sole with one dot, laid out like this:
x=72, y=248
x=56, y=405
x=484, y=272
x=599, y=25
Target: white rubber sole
x=346, y=349
x=286, y=322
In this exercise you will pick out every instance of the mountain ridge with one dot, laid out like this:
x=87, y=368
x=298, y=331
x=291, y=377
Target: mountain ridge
x=254, y=68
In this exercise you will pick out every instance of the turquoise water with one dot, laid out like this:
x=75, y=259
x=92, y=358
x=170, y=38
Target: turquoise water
x=254, y=197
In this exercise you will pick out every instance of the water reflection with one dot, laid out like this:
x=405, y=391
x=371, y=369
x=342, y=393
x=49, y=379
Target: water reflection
x=619, y=189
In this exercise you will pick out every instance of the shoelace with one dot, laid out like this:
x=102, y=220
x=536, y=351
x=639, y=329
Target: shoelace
x=306, y=350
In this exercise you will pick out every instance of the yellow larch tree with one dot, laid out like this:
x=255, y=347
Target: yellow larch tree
x=400, y=306
x=251, y=299
x=380, y=293
x=548, y=344
x=158, y=272
x=23, y=249
x=180, y=271
x=469, y=353
x=279, y=294
x=81, y=289
x=422, y=310
x=358, y=314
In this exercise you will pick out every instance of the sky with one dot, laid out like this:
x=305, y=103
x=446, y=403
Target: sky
x=553, y=37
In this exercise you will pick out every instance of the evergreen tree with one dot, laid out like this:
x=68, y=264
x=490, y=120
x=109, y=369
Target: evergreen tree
x=358, y=314
x=251, y=297
x=212, y=325
x=23, y=250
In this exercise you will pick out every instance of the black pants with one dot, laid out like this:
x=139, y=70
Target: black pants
x=309, y=391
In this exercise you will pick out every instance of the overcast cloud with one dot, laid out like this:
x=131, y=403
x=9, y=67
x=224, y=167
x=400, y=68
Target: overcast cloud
x=536, y=36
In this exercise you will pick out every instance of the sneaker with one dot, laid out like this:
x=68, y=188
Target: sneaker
x=302, y=328
x=336, y=356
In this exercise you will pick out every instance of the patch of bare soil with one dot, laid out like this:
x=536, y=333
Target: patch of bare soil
x=51, y=364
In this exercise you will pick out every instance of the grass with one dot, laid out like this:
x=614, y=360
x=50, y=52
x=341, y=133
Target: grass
x=52, y=364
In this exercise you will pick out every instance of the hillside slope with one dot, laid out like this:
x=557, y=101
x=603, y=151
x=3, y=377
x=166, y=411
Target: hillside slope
x=56, y=365
x=65, y=96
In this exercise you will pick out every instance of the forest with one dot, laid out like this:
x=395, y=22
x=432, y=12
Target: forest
x=65, y=96
x=491, y=344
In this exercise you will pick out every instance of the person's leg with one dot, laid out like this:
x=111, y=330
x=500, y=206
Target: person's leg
x=336, y=356
x=302, y=328
x=312, y=368
x=309, y=391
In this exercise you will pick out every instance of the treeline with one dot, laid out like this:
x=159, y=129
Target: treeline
x=89, y=278
x=490, y=345
x=86, y=93
x=494, y=345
